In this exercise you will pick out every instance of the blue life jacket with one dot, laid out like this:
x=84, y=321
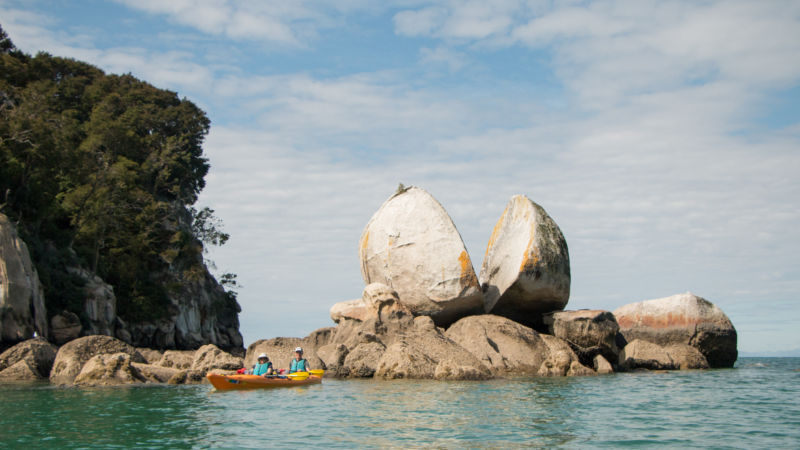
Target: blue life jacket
x=298, y=366
x=261, y=369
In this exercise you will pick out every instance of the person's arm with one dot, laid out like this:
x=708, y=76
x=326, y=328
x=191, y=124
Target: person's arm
x=308, y=366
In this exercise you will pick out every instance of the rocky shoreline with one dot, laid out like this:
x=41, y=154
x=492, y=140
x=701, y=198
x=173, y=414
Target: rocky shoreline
x=390, y=343
x=424, y=314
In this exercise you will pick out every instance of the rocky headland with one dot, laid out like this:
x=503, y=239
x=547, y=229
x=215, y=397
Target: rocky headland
x=423, y=314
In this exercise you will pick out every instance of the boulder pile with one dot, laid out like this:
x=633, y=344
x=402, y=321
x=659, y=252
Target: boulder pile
x=423, y=315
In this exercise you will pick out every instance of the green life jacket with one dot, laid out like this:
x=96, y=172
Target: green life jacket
x=261, y=369
x=298, y=366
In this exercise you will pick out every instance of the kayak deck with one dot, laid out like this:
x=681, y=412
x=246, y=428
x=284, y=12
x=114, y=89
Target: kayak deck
x=241, y=382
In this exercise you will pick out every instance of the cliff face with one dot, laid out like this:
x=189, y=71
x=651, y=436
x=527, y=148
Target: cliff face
x=100, y=174
x=22, y=309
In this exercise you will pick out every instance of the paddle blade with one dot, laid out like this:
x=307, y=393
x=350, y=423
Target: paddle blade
x=317, y=373
x=298, y=375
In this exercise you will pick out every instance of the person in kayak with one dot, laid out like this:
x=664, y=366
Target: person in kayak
x=299, y=364
x=263, y=367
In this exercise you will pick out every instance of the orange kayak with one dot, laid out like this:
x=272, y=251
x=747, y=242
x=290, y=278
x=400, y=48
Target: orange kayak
x=240, y=382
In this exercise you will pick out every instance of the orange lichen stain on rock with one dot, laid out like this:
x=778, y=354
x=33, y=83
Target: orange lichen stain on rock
x=495, y=232
x=530, y=259
x=468, y=277
x=362, y=246
x=668, y=320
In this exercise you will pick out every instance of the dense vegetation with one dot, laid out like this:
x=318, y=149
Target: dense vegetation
x=100, y=171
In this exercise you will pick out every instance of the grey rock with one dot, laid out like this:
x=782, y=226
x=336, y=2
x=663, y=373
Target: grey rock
x=22, y=305
x=525, y=270
x=502, y=345
x=109, y=370
x=65, y=327
x=588, y=332
x=72, y=356
x=412, y=245
x=37, y=353
x=681, y=319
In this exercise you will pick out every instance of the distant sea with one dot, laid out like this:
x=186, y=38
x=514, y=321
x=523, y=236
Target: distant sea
x=755, y=405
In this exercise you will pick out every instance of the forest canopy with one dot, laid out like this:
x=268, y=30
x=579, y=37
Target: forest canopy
x=101, y=171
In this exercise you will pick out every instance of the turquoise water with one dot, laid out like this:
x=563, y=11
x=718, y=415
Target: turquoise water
x=756, y=405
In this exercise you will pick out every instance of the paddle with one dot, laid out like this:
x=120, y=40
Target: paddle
x=304, y=375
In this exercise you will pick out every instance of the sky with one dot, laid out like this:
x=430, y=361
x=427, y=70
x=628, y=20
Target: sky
x=662, y=137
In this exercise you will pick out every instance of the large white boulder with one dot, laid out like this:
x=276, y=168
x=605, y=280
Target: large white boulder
x=525, y=270
x=412, y=245
x=22, y=310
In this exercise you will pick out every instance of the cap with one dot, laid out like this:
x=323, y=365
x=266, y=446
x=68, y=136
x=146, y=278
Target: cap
x=263, y=355
x=299, y=349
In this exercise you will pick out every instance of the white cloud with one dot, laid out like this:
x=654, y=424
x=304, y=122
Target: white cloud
x=652, y=167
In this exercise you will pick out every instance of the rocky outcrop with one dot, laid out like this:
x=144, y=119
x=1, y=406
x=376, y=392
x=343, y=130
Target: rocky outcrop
x=412, y=245
x=20, y=371
x=350, y=309
x=33, y=360
x=176, y=359
x=65, y=327
x=22, y=307
x=109, y=370
x=99, y=304
x=525, y=270
x=210, y=357
x=501, y=344
x=561, y=360
x=72, y=356
x=151, y=356
x=681, y=319
x=601, y=365
x=425, y=352
x=588, y=332
x=155, y=373
x=640, y=354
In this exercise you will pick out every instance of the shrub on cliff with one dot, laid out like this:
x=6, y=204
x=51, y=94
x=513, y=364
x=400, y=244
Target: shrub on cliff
x=101, y=171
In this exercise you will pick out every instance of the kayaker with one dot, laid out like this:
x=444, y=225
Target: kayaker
x=299, y=364
x=263, y=366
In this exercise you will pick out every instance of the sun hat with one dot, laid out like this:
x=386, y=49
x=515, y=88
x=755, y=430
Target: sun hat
x=299, y=349
x=263, y=355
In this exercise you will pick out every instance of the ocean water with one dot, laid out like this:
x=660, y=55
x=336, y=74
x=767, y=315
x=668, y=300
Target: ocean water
x=755, y=405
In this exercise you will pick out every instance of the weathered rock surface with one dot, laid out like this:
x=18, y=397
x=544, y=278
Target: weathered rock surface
x=37, y=354
x=109, y=370
x=22, y=307
x=502, y=345
x=65, y=327
x=601, y=365
x=72, y=356
x=99, y=304
x=210, y=357
x=350, y=309
x=177, y=359
x=188, y=377
x=525, y=270
x=154, y=373
x=412, y=245
x=362, y=360
x=560, y=359
x=151, y=356
x=425, y=352
x=640, y=354
x=19, y=371
x=681, y=319
x=588, y=332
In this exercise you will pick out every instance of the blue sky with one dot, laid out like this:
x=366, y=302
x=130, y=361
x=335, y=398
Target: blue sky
x=662, y=137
